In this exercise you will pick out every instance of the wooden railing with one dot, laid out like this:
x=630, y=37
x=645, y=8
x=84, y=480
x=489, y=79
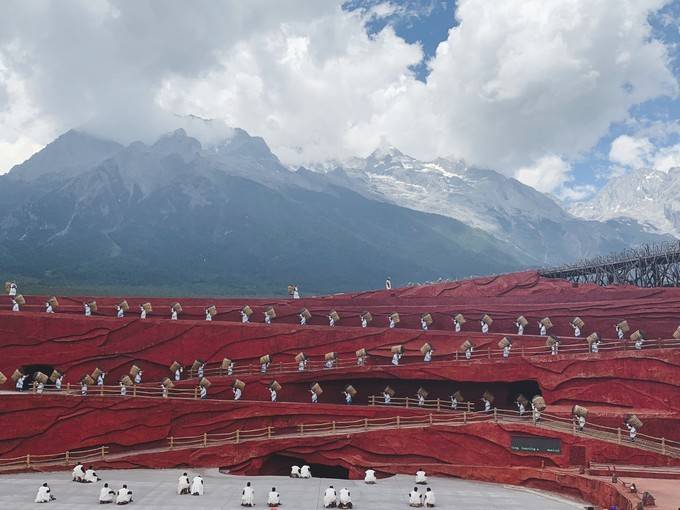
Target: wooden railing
x=547, y=422
x=413, y=402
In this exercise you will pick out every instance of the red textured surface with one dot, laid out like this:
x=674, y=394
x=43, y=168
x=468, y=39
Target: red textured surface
x=611, y=383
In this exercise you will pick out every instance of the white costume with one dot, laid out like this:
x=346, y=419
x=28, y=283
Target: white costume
x=302, y=365
x=44, y=495
x=273, y=498
x=88, y=310
x=57, y=383
x=120, y=313
x=329, y=363
x=361, y=361
x=106, y=494
x=173, y=315
x=330, y=498
x=203, y=392
x=506, y=351
x=619, y=333
x=273, y=394
x=230, y=368
x=138, y=377
x=577, y=330
x=468, y=353
x=581, y=422
x=178, y=373
x=20, y=383
x=536, y=414
x=348, y=398
x=421, y=400
x=423, y=325
x=197, y=486
x=414, y=498
x=267, y=319
x=124, y=496
x=12, y=289
x=458, y=326
x=40, y=388
x=244, y=317
x=485, y=327
x=364, y=322
x=421, y=477
x=305, y=472
x=237, y=393
x=429, y=498
x=183, y=484
x=264, y=367
x=454, y=402
x=164, y=390
x=638, y=344
x=331, y=321
x=395, y=359
x=123, y=390
x=142, y=313
x=78, y=473
x=428, y=356
x=83, y=389
x=100, y=379
x=248, y=496
x=555, y=348
x=295, y=471
x=388, y=284
x=632, y=432
x=541, y=329
x=200, y=371
x=520, y=328
x=345, y=498
x=315, y=398
x=393, y=324
x=208, y=317
x=303, y=320
x=48, y=308
x=521, y=408
x=91, y=476
x=370, y=477
x=296, y=293
x=15, y=306
x=595, y=346
x=387, y=397
x=487, y=405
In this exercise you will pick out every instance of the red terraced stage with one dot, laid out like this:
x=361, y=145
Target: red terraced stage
x=134, y=430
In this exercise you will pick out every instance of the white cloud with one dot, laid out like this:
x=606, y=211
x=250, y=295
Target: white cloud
x=519, y=84
x=631, y=152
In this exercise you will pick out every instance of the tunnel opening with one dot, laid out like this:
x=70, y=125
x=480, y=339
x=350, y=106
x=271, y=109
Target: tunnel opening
x=279, y=465
x=32, y=370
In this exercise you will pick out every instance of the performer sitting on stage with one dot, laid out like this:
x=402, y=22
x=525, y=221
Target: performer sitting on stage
x=330, y=498
x=106, y=495
x=197, y=486
x=421, y=477
x=370, y=478
x=183, y=484
x=414, y=498
x=248, y=496
x=124, y=496
x=273, y=498
x=44, y=494
x=345, y=498
x=429, y=498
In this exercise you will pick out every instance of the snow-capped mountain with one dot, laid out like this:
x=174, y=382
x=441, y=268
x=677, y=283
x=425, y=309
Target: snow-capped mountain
x=647, y=195
x=517, y=214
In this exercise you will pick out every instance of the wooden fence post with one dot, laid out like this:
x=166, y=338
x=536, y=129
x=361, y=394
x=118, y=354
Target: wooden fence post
x=103, y=451
x=618, y=435
x=398, y=422
x=464, y=417
x=134, y=390
x=28, y=460
x=495, y=415
x=663, y=446
x=333, y=426
x=269, y=432
x=172, y=442
x=238, y=436
x=372, y=400
x=101, y=390
x=439, y=405
x=430, y=418
x=68, y=388
x=205, y=439
x=196, y=392
x=302, y=429
x=407, y=399
x=67, y=456
x=366, y=423
x=469, y=407
x=489, y=351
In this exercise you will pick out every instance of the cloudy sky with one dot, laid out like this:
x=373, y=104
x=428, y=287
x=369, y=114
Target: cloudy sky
x=560, y=94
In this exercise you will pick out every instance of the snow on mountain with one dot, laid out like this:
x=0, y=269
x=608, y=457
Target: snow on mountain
x=646, y=195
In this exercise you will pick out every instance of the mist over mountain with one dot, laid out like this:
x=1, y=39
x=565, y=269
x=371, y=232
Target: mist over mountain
x=225, y=218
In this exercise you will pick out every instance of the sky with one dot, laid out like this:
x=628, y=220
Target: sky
x=561, y=95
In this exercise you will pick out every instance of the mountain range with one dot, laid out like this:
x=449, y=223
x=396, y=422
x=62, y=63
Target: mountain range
x=229, y=218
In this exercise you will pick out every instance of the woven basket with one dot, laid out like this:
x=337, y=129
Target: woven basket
x=301, y=356
x=427, y=318
x=460, y=318
x=397, y=349
x=521, y=320
x=465, y=346
x=389, y=391
x=351, y=390
x=425, y=348
x=578, y=410
x=316, y=388
x=504, y=342
x=578, y=322
x=265, y=359
x=330, y=356
x=275, y=386
x=489, y=396
x=539, y=402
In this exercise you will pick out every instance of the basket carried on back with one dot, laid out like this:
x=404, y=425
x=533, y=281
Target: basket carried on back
x=330, y=356
x=521, y=399
x=204, y=382
x=316, y=388
x=522, y=321
x=388, y=390
x=623, y=326
x=351, y=390
x=465, y=346
x=56, y=374
x=16, y=375
x=225, y=363
x=486, y=319
x=634, y=421
x=487, y=395
x=134, y=370
x=19, y=298
x=177, y=307
x=275, y=386
x=550, y=341
x=334, y=315
x=126, y=380
x=197, y=364
x=676, y=333
x=427, y=318
x=238, y=383
x=361, y=353
x=123, y=305
x=547, y=323
x=426, y=347
x=291, y=289
x=247, y=310
x=460, y=318
x=306, y=313
x=87, y=380
x=539, y=402
x=147, y=307
x=96, y=373
x=394, y=317
x=637, y=335
x=368, y=317
x=176, y=365
x=265, y=359
x=8, y=286
x=593, y=337
x=423, y=392
x=212, y=310
x=504, y=342
x=300, y=357
x=458, y=396
x=3, y=378
x=167, y=383
x=578, y=322
x=270, y=312
x=53, y=301
x=397, y=349
x=40, y=377
x=578, y=410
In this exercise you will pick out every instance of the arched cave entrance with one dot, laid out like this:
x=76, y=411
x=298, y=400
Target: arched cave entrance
x=279, y=465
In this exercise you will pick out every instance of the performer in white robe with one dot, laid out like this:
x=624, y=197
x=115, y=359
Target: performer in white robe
x=423, y=325
x=123, y=389
x=83, y=389
x=393, y=323
x=91, y=476
x=142, y=312
x=303, y=320
x=178, y=373
x=272, y=394
x=421, y=477
x=388, y=283
x=520, y=328
x=364, y=322
x=78, y=473
x=296, y=293
x=200, y=371
x=485, y=327
x=542, y=331
x=315, y=397
x=20, y=383
x=88, y=309
x=120, y=313
x=237, y=393
x=429, y=501
x=521, y=408
x=124, y=496
x=638, y=344
x=414, y=498
x=302, y=364
x=361, y=361
x=580, y=422
x=264, y=367
x=331, y=321
x=487, y=405
x=428, y=356
x=454, y=402
x=208, y=316
x=535, y=413
x=12, y=290
x=248, y=496
x=369, y=477
x=387, y=398
x=295, y=471
x=305, y=472
x=577, y=330
x=183, y=484
x=40, y=387
x=506, y=351
x=273, y=498
x=619, y=332
x=48, y=308
x=330, y=498
x=57, y=383
x=44, y=494
x=106, y=494
x=421, y=400
x=197, y=486
x=468, y=353
x=100, y=379
x=244, y=317
x=173, y=314
x=267, y=319
x=457, y=326
x=348, y=398
x=395, y=358
x=164, y=391
x=595, y=346
x=555, y=348
x=138, y=377
x=230, y=368
x=15, y=305
x=203, y=393
x=344, y=498
x=632, y=432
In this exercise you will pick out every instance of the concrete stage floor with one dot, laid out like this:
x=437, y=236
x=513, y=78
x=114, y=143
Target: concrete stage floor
x=156, y=489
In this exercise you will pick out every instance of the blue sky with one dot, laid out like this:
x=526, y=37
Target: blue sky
x=427, y=22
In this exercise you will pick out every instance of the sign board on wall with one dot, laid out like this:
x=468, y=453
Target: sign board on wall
x=535, y=444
